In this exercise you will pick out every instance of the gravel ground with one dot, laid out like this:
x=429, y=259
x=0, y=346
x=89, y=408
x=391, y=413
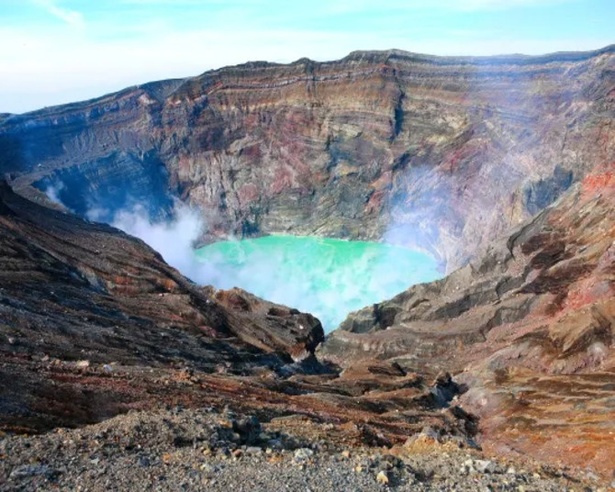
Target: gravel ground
x=207, y=450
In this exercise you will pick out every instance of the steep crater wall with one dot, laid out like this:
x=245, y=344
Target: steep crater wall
x=443, y=154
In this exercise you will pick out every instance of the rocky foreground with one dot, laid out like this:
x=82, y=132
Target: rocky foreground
x=179, y=449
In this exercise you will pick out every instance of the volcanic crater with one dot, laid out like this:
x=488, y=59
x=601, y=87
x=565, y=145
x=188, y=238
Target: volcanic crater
x=500, y=168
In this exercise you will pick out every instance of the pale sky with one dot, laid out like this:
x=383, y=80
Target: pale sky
x=58, y=51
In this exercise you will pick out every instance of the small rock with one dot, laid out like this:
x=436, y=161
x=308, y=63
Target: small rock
x=275, y=459
x=346, y=453
x=107, y=369
x=248, y=428
x=358, y=469
x=33, y=470
x=382, y=477
x=275, y=444
x=237, y=453
x=389, y=461
x=254, y=450
x=82, y=364
x=511, y=471
x=592, y=476
x=467, y=467
x=144, y=462
x=485, y=466
x=303, y=454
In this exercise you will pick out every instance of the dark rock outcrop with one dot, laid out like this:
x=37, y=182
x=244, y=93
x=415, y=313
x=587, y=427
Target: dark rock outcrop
x=445, y=154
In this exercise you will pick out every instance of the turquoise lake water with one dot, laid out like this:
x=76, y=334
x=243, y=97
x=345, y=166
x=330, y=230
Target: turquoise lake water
x=326, y=277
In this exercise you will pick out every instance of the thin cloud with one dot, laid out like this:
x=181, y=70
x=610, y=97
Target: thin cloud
x=129, y=42
x=69, y=16
x=80, y=67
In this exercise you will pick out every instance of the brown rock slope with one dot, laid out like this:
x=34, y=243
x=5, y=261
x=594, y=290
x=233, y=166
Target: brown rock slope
x=529, y=329
x=442, y=153
x=93, y=323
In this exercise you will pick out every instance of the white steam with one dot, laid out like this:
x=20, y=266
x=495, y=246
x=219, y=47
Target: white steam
x=53, y=193
x=326, y=278
x=173, y=239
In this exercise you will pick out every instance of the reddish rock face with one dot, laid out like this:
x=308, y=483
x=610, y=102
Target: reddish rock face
x=445, y=154
x=529, y=329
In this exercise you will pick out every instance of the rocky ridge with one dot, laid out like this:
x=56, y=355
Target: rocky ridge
x=529, y=329
x=77, y=295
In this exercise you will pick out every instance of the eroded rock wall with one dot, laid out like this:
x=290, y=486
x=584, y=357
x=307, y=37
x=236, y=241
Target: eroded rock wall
x=444, y=154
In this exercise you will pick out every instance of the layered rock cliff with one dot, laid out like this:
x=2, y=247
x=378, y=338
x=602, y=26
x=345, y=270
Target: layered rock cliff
x=444, y=154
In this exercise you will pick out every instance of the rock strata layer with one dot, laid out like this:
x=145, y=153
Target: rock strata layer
x=443, y=154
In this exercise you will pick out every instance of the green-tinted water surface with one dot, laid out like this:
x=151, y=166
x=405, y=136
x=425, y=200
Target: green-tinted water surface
x=326, y=277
